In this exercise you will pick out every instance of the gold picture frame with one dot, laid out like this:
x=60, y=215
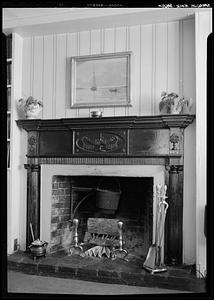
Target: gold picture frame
x=101, y=80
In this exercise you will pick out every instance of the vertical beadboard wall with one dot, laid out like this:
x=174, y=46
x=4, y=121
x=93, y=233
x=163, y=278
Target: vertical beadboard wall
x=155, y=66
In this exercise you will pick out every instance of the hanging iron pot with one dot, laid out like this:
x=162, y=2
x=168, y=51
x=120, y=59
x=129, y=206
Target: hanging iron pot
x=108, y=196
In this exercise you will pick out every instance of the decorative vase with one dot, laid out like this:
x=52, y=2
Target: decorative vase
x=175, y=109
x=32, y=111
x=31, y=107
x=172, y=103
x=186, y=109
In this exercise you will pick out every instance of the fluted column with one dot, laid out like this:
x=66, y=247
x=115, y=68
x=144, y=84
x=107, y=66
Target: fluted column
x=174, y=218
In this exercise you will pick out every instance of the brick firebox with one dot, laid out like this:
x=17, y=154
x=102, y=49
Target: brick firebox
x=60, y=213
x=135, y=210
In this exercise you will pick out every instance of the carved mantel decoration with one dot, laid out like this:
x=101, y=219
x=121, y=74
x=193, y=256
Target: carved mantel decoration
x=151, y=140
x=32, y=143
x=100, y=142
x=174, y=139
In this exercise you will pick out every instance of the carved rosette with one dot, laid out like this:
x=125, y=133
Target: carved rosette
x=175, y=141
x=100, y=142
x=32, y=143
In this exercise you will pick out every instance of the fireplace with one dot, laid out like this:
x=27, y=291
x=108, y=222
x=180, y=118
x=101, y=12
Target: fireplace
x=61, y=195
x=140, y=152
x=76, y=197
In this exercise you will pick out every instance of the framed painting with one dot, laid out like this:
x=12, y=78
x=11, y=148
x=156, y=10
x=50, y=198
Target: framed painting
x=100, y=80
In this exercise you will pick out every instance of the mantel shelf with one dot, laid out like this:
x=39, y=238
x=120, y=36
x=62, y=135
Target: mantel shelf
x=158, y=122
x=155, y=138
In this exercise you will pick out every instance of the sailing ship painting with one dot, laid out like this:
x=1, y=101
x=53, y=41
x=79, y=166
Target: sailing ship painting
x=103, y=80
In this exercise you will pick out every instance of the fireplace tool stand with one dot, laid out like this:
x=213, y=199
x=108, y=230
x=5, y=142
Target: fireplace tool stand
x=76, y=247
x=154, y=261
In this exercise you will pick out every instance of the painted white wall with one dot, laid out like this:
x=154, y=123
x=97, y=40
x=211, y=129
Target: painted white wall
x=17, y=175
x=203, y=27
x=187, y=87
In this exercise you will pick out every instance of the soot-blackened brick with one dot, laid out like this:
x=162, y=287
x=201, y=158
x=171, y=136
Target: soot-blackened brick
x=54, y=219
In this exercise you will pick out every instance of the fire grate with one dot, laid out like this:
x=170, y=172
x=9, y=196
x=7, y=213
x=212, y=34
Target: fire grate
x=103, y=238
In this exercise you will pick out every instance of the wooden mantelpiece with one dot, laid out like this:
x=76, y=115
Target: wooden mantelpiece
x=160, y=121
x=151, y=140
x=150, y=136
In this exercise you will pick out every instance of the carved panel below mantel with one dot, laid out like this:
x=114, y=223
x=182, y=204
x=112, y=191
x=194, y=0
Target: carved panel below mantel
x=32, y=143
x=100, y=142
x=176, y=140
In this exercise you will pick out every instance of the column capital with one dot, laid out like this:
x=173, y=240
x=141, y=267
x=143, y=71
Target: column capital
x=174, y=168
x=32, y=167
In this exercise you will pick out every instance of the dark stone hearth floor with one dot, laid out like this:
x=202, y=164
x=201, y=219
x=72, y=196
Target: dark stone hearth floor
x=105, y=270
